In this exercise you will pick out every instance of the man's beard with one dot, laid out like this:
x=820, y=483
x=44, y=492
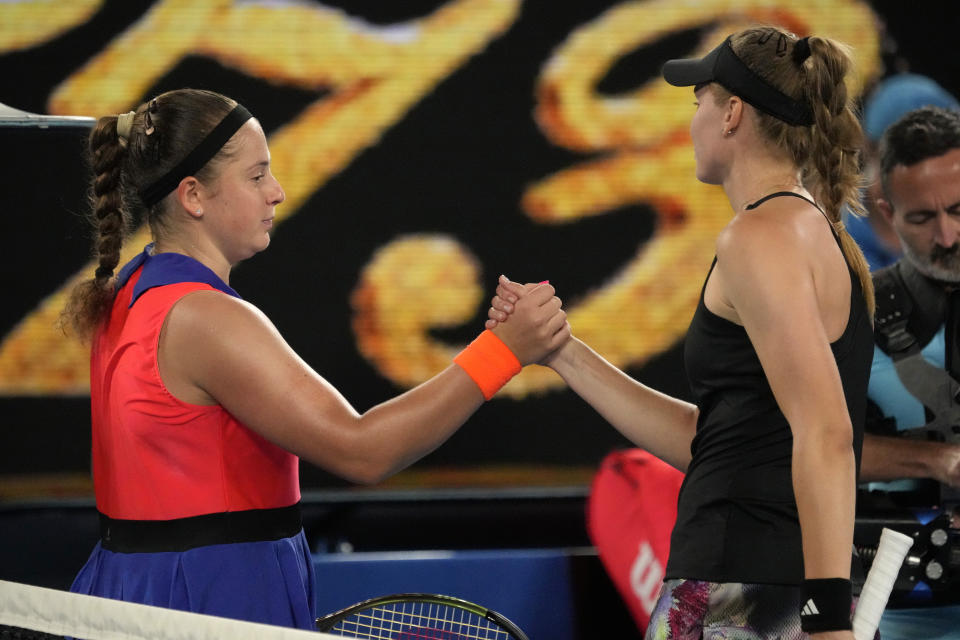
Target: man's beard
x=941, y=264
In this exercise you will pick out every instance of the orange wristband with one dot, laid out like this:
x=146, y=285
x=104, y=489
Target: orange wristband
x=489, y=362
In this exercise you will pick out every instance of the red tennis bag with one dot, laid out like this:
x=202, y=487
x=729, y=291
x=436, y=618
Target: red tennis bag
x=630, y=512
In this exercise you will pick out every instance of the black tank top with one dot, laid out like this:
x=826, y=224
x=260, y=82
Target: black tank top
x=737, y=517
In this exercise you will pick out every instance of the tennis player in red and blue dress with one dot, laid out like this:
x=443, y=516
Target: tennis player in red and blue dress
x=197, y=512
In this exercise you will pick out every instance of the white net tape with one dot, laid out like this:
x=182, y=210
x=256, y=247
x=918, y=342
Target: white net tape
x=80, y=616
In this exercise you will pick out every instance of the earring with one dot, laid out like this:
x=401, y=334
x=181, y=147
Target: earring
x=199, y=211
x=729, y=132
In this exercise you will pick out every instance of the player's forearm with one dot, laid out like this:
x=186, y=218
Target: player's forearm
x=396, y=433
x=886, y=458
x=824, y=486
x=662, y=425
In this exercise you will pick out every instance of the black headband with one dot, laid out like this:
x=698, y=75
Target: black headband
x=724, y=67
x=200, y=156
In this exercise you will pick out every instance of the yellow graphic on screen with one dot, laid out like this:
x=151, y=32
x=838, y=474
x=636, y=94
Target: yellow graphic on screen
x=646, y=158
x=27, y=23
x=374, y=76
x=638, y=144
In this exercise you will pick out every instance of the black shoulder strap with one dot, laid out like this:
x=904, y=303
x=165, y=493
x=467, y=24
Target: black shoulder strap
x=779, y=194
x=894, y=307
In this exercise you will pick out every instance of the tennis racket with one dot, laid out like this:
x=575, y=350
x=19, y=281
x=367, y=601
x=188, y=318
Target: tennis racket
x=876, y=590
x=419, y=616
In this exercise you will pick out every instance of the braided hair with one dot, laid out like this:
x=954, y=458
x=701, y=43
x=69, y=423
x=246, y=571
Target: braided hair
x=813, y=70
x=127, y=153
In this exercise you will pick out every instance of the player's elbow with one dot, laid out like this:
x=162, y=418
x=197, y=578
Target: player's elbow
x=368, y=473
x=367, y=468
x=682, y=455
x=829, y=439
x=354, y=457
x=362, y=470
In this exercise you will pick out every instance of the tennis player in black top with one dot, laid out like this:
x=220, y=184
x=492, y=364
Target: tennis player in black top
x=778, y=353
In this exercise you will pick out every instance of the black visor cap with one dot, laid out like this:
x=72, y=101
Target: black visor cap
x=724, y=67
x=689, y=72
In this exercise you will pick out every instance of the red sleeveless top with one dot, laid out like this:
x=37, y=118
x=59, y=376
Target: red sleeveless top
x=156, y=457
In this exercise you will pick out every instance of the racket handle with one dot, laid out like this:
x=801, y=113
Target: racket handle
x=876, y=590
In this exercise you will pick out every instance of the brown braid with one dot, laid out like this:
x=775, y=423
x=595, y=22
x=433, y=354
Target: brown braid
x=90, y=299
x=836, y=140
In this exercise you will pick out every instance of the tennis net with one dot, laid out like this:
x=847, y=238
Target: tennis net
x=37, y=613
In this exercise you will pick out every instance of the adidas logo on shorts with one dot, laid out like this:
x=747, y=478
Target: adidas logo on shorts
x=809, y=609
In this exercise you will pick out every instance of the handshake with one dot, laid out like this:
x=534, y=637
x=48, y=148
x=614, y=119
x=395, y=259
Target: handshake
x=529, y=319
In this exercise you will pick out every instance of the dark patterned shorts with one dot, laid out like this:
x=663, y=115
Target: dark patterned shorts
x=693, y=609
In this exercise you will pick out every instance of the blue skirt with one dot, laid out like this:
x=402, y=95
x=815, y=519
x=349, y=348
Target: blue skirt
x=270, y=582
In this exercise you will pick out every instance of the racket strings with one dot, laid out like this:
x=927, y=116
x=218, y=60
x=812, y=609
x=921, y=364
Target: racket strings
x=420, y=621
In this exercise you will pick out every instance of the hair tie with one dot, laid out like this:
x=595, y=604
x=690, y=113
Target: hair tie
x=801, y=50
x=152, y=108
x=124, y=124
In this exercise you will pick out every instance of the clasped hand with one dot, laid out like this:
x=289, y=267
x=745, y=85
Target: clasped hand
x=538, y=325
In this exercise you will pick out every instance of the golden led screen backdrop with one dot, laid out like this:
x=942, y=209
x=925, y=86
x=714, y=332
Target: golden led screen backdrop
x=425, y=148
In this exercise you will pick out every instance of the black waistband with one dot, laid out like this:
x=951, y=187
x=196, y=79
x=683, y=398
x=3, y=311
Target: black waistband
x=181, y=534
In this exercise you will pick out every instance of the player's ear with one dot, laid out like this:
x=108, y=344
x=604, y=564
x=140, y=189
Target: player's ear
x=885, y=209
